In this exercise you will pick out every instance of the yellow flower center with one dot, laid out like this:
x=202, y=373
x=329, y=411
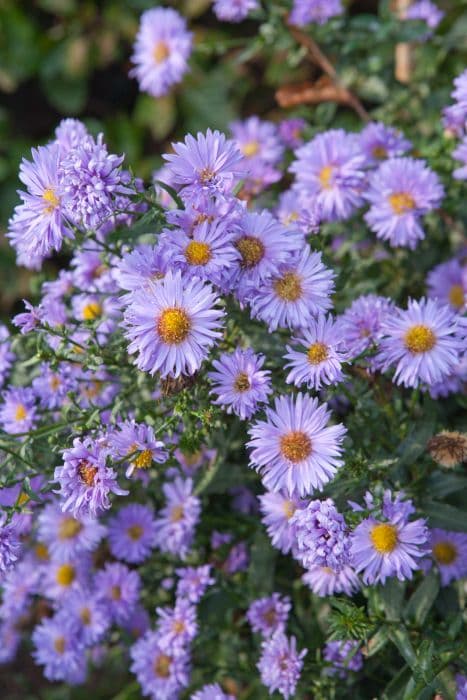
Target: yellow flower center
x=51, y=199
x=69, y=528
x=250, y=148
x=85, y=616
x=318, y=352
x=384, y=538
x=379, y=152
x=65, y=575
x=59, y=645
x=289, y=509
x=251, y=249
x=419, y=338
x=327, y=570
x=135, y=532
x=325, y=177
x=241, y=383
x=456, y=295
x=54, y=382
x=92, y=311
x=173, y=326
x=198, y=253
x=401, y=202
x=206, y=175
x=87, y=472
x=24, y=498
x=445, y=553
x=176, y=514
x=162, y=666
x=290, y=218
x=143, y=460
x=295, y=446
x=289, y=287
x=41, y=551
x=20, y=413
x=178, y=626
x=116, y=593
x=161, y=52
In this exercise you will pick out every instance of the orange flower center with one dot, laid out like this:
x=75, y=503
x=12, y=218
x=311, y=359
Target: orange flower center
x=289, y=287
x=456, y=295
x=251, y=249
x=173, y=326
x=198, y=253
x=379, y=152
x=419, y=338
x=445, y=553
x=176, y=514
x=325, y=177
x=116, y=593
x=87, y=472
x=85, y=616
x=161, y=52
x=295, y=446
x=318, y=352
x=59, y=645
x=143, y=460
x=384, y=538
x=241, y=383
x=135, y=532
x=289, y=509
x=401, y=202
x=41, y=551
x=162, y=666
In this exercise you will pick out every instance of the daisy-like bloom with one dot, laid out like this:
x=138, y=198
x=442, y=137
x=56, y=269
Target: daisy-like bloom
x=193, y=582
x=7, y=357
x=324, y=581
x=161, y=672
x=82, y=609
x=40, y=217
x=10, y=545
x=19, y=584
x=175, y=526
x=400, y=192
x=425, y=342
x=461, y=683
x=379, y=142
x=91, y=272
x=118, y=588
x=300, y=289
x=449, y=553
x=329, y=169
x=278, y=511
x=325, y=353
x=213, y=691
x=85, y=481
x=52, y=386
x=238, y=559
x=66, y=536
x=139, y=442
x=207, y=163
x=138, y=622
x=140, y=266
x=281, y=664
x=321, y=536
x=239, y=382
x=448, y=448
x=426, y=11
x=296, y=210
x=177, y=626
x=258, y=142
x=460, y=153
x=131, y=533
x=172, y=325
x=190, y=462
x=447, y=282
x=161, y=51
x=290, y=132
x=268, y=615
x=233, y=10
x=317, y=11
x=69, y=134
x=360, y=325
x=59, y=650
x=18, y=411
x=343, y=657
x=388, y=544
x=293, y=449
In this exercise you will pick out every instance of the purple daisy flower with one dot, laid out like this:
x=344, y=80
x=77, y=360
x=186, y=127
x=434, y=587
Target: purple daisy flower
x=378, y=142
x=343, y=657
x=83, y=609
x=69, y=134
x=131, y=533
x=65, y=575
x=18, y=411
x=140, y=266
x=118, y=588
x=300, y=289
x=172, y=324
x=268, y=615
x=297, y=210
x=461, y=683
x=85, y=480
x=360, y=325
x=321, y=536
x=30, y=319
x=58, y=649
x=19, y=584
x=425, y=342
x=447, y=283
x=161, y=672
x=40, y=216
x=291, y=130
x=193, y=582
x=239, y=382
x=237, y=559
x=281, y=664
x=161, y=51
x=138, y=622
x=329, y=169
x=177, y=626
x=7, y=357
x=293, y=448
x=139, y=441
x=387, y=544
x=233, y=10
x=175, y=526
x=460, y=153
x=427, y=12
x=278, y=511
x=317, y=11
x=449, y=553
x=10, y=545
x=258, y=142
x=325, y=353
x=52, y=386
x=324, y=581
x=400, y=192
x=213, y=691
x=190, y=462
x=66, y=536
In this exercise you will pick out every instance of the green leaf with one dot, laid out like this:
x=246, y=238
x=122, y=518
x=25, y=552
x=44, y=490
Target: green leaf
x=262, y=563
x=445, y=516
x=400, y=638
x=392, y=597
x=422, y=599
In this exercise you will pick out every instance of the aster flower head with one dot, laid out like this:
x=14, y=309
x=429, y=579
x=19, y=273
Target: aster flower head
x=172, y=325
x=324, y=581
x=329, y=169
x=268, y=615
x=325, y=353
x=387, y=543
x=460, y=153
x=293, y=449
x=258, y=142
x=52, y=385
x=118, y=588
x=237, y=559
x=131, y=533
x=426, y=11
x=177, y=626
x=59, y=650
x=140, y=266
x=138, y=442
x=449, y=553
x=424, y=342
x=18, y=410
x=281, y=664
x=239, y=383
x=175, y=526
x=161, y=51
x=190, y=461
x=343, y=657
x=299, y=210
x=84, y=479
x=69, y=134
x=316, y=11
x=300, y=289
x=321, y=536
x=290, y=131
x=361, y=324
x=447, y=282
x=278, y=511
x=65, y=575
x=400, y=192
x=161, y=672
x=66, y=536
x=83, y=609
x=233, y=10
x=212, y=691
x=193, y=582
x=379, y=142
x=10, y=545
